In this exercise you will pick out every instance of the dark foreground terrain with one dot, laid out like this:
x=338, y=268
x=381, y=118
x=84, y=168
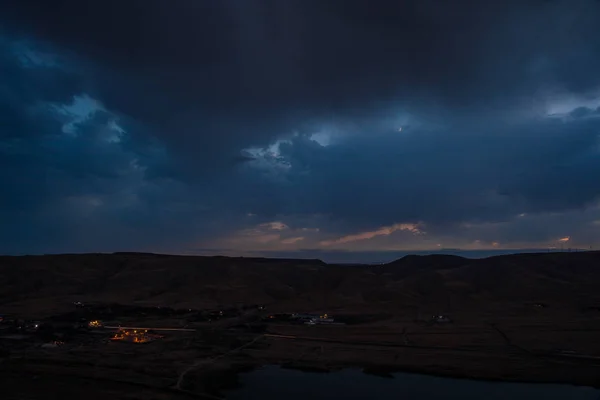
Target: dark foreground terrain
x=144, y=326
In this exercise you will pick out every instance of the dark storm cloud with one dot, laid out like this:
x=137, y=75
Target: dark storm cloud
x=71, y=178
x=244, y=71
x=22, y=86
x=197, y=86
x=447, y=177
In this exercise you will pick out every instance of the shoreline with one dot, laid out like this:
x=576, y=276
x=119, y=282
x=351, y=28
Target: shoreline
x=229, y=376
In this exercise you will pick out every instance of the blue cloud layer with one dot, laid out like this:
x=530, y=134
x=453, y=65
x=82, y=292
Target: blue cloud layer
x=304, y=112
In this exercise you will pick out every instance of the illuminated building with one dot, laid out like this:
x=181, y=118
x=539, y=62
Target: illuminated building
x=95, y=324
x=134, y=336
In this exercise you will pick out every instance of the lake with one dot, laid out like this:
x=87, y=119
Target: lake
x=275, y=383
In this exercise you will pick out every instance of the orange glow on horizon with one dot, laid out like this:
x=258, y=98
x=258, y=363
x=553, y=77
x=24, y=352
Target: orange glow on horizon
x=383, y=231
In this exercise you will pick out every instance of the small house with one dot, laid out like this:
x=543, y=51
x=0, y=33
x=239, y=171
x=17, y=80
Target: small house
x=95, y=324
x=441, y=319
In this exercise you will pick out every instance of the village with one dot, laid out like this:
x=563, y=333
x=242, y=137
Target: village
x=103, y=323
x=92, y=323
x=173, y=349
x=97, y=322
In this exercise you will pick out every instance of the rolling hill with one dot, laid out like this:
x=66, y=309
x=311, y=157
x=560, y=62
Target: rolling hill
x=44, y=284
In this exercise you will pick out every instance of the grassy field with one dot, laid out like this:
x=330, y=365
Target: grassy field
x=524, y=318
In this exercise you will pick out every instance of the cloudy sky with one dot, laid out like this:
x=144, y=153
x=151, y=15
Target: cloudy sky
x=306, y=127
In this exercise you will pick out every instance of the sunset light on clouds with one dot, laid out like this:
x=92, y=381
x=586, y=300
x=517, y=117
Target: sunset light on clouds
x=383, y=231
x=285, y=126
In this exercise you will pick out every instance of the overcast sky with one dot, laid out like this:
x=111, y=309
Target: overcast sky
x=302, y=127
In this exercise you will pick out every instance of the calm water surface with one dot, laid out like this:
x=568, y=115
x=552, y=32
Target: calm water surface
x=272, y=382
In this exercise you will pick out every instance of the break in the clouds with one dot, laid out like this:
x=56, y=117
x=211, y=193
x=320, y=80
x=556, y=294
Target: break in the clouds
x=298, y=125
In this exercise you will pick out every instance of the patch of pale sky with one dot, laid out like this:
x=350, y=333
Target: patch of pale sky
x=80, y=110
x=292, y=240
x=274, y=226
x=563, y=104
x=322, y=137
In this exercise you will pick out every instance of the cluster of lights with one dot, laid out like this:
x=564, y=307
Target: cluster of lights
x=135, y=336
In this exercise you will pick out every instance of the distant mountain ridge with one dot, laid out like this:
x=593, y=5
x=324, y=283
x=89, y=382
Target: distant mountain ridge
x=53, y=281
